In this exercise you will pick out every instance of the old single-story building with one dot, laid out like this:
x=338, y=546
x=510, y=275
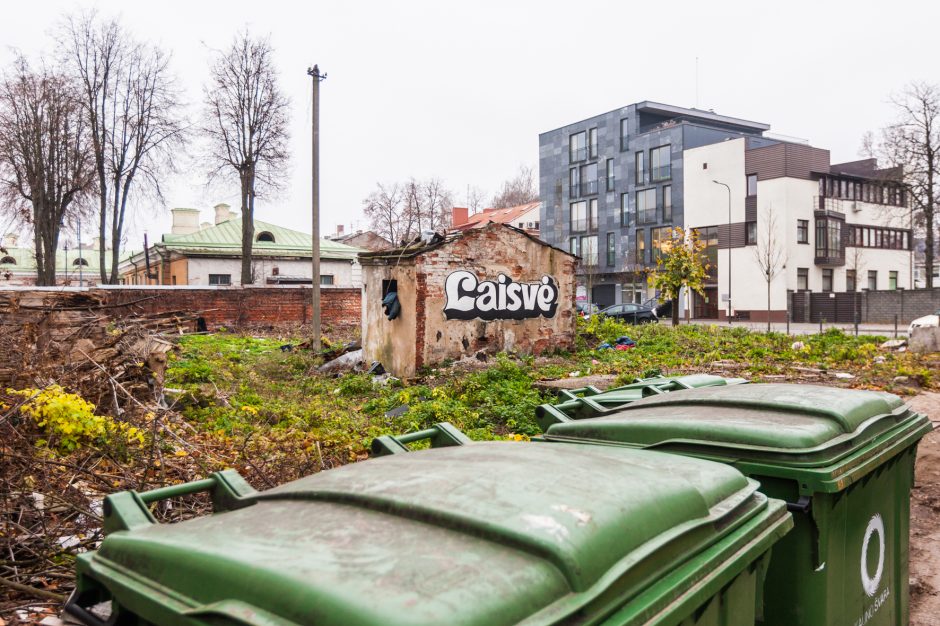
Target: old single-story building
x=495, y=288
x=77, y=267
x=197, y=253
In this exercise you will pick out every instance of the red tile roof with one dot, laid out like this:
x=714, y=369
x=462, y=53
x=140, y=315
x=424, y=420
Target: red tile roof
x=508, y=215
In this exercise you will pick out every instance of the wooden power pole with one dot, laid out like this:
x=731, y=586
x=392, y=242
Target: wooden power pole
x=314, y=73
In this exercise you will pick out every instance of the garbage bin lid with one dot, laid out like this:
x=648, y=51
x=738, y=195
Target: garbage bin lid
x=488, y=533
x=794, y=424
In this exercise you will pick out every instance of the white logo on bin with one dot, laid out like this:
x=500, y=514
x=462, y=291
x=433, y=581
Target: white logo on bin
x=870, y=583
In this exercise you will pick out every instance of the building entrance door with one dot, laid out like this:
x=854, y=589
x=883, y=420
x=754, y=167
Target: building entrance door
x=705, y=307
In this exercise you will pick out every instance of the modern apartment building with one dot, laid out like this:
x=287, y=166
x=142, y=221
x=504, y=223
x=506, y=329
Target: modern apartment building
x=613, y=186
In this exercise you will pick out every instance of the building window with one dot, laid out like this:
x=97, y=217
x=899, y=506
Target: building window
x=892, y=280
x=646, y=206
x=640, y=168
x=589, y=250
x=802, y=231
x=588, y=179
x=750, y=234
x=577, y=147
x=661, y=241
x=624, y=141
x=7, y=260
x=802, y=279
x=827, y=280
x=326, y=279
x=752, y=184
x=610, y=175
x=878, y=237
x=624, y=209
x=575, y=246
x=611, y=248
x=829, y=238
x=667, y=203
x=640, y=246
x=80, y=261
x=265, y=236
x=578, y=216
x=574, y=183
x=660, y=163
x=592, y=143
x=592, y=204
x=220, y=279
x=850, y=280
x=872, y=280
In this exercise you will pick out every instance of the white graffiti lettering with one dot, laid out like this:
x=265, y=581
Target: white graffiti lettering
x=468, y=298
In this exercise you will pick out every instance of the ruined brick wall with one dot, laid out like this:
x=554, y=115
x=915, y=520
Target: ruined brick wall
x=239, y=307
x=489, y=252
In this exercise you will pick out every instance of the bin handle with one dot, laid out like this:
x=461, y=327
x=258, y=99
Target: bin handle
x=128, y=510
x=802, y=505
x=442, y=435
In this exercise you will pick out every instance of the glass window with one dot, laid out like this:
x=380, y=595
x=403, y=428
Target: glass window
x=593, y=213
x=220, y=279
x=667, y=203
x=646, y=206
x=892, y=280
x=579, y=216
x=661, y=241
x=588, y=179
x=802, y=279
x=610, y=174
x=574, y=182
x=577, y=147
x=829, y=238
x=752, y=184
x=575, y=246
x=592, y=143
x=827, y=279
x=640, y=246
x=660, y=163
x=750, y=233
x=850, y=280
x=589, y=250
x=802, y=231
x=326, y=279
x=611, y=248
x=624, y=209
x=640, y=168
x=872, y=280
x=623, y=135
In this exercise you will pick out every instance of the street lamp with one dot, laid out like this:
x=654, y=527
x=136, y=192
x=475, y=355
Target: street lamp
x=729, y=247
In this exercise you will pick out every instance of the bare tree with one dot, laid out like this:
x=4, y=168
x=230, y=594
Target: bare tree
x=45, y=169
x=383, y=207
x=436, y=205
x=913, y=143
x=520, y=189
x=130, y=103
x=246, y=119
x=770, y=253
x=476, y=198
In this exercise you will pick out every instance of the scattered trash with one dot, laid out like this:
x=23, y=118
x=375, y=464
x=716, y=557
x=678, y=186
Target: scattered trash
x=901, y=379
x=594, y=362
x=893, y=344
x=384, y=379
x=397, y=411
x=344, y=362
x=287, y=347
x=376, y=369
x=797, y=345
x=842, y=375
x=605, y=346
x=879, y=359
x=574, y=374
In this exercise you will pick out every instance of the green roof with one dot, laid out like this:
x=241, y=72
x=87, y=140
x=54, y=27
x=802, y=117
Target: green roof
x=26, y=260
x=227, y=236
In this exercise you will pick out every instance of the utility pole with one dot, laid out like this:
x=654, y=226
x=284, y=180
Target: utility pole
x=314, y=73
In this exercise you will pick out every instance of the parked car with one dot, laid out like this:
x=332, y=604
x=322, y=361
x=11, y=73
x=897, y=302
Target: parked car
x=631, y=313
x=928, y=321
x=586, y=309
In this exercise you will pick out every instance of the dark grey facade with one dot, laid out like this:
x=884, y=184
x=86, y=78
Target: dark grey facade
x=570, y=174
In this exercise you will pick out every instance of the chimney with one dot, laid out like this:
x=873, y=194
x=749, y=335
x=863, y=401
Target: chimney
x=339, y=230
x=185, y=221
x=10, y=240
x=223, y=213
x=460, y=216
x=205, y=225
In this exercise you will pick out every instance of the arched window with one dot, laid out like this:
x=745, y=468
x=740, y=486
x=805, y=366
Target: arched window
x=80, y=261
x=265, y=236
x=7, y=260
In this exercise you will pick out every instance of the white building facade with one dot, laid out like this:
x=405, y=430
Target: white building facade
x=839, y=228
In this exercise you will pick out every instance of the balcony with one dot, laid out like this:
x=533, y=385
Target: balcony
x=574, y=191
x=589, y=188
x=577, y=154
x=579, y=226
x=646, y=216
x=611, y=182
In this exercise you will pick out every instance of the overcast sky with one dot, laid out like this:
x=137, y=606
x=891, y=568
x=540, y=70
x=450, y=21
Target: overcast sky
x=461, y=90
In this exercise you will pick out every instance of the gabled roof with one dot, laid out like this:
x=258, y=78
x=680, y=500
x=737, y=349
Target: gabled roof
x=25, y=260
x=226, y=238
x=507, y=215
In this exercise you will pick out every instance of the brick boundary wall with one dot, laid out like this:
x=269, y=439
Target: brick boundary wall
x=238, y=307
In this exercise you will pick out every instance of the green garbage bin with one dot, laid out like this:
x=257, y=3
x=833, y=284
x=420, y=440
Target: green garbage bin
x=484, y=533
x=588, y=402
x=843, y=460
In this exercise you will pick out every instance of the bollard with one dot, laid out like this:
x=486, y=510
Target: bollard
x=821, y=321
x=895, y=325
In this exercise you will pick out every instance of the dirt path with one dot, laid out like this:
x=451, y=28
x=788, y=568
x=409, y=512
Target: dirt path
x=925, y=520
